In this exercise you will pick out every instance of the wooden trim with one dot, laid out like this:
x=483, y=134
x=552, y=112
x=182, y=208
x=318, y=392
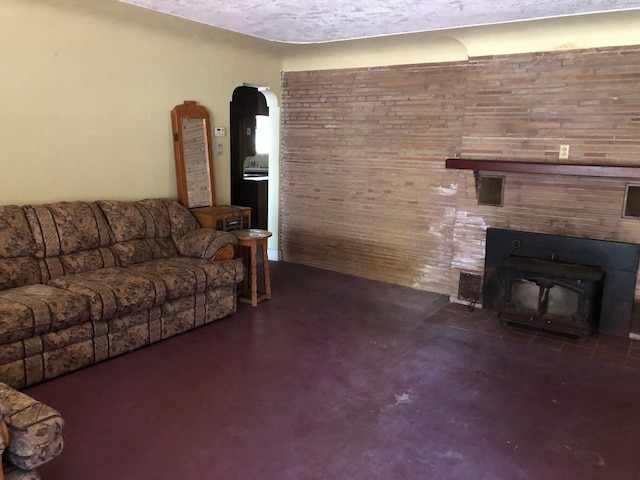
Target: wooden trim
x=225, y=253
x=610, y=171
x=191, y=110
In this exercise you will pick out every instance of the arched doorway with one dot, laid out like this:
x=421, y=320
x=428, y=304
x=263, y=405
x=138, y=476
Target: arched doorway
x=255, y=153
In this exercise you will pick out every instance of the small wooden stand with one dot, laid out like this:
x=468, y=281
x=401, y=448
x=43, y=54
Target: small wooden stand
x=223, y=217
x=191, y=126
x=248, y=241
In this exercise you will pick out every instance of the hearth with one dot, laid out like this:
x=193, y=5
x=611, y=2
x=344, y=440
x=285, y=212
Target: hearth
x=567, y=285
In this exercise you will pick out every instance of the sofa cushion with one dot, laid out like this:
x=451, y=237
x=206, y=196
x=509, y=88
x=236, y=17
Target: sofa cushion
x=18, y=265
x=180, y=280
x=70, y=237
x=227, y=272
x=67, y=227
x=182, y=220
x=15, y=235
x=16, y=272
x=37, y=309
x=185, y=276
x=136, y=220
x=77, y=262
x=143, y=250
x=141, y=230
x=114, y=291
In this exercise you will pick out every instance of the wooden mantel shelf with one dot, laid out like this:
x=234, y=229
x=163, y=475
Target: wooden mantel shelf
x=610, y=171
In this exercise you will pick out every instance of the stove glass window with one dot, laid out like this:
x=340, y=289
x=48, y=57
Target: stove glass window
x=525, y=295
x=563, y=301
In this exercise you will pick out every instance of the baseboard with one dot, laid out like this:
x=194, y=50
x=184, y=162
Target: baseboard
x=273, y=255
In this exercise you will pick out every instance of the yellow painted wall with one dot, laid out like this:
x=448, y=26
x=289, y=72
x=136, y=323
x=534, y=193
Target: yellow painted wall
x=87, y=88
x=584, y=31
x=88, y=85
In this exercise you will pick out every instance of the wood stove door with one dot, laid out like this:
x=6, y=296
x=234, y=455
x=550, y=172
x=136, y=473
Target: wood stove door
x=558, y=304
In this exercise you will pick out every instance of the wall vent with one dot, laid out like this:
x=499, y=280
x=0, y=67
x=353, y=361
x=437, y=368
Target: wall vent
x=470, y=287
x=490, y=190
x=632, y=202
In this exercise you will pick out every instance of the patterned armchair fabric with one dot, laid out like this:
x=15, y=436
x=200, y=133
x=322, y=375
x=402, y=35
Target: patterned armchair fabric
x=82, y=282
x=14, y=473
x=35, y=433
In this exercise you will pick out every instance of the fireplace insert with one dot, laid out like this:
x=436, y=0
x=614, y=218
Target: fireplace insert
x=569, y=285
x=551, y=295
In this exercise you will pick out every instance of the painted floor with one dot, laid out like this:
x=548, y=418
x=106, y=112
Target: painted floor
x=338, y=377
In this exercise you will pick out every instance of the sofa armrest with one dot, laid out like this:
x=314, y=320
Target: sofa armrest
x=207, y=243
x=35, y=429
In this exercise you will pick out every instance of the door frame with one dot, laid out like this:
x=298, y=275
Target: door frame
x=273, y=199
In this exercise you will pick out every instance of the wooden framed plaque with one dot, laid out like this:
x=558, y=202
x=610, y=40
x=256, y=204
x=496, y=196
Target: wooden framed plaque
x=191, y=126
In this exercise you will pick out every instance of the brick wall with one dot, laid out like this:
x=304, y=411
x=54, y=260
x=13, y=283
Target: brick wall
x=363, y=185
x=522, y=107
x=525, y=106
x=364, y=189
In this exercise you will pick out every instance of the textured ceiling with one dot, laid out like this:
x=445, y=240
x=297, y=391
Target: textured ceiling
x=312, y=21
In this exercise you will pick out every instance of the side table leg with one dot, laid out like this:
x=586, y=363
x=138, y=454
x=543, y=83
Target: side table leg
x=254, y=275
x=246, y=260
x=265, y=262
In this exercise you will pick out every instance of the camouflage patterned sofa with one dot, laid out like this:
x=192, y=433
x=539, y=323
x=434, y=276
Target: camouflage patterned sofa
x=81, y=282
x=34, y=432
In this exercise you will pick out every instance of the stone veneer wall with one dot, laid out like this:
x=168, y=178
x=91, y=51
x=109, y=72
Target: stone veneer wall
x=364, y=188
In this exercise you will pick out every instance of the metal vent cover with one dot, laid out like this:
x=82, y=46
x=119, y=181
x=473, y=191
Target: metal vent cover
x=470, y=287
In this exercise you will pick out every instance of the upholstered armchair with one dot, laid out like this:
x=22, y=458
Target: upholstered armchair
x=31, y=434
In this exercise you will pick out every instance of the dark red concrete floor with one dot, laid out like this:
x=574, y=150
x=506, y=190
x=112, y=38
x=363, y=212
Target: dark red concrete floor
x=339, y=377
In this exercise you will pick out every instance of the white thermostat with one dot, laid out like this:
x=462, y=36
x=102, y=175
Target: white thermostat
x=219, y=131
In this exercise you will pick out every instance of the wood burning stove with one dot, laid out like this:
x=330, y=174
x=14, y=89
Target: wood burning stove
x=558, y=283
x=551, y=295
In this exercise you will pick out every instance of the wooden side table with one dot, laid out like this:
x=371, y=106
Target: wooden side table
x=248, y=241
x=223, y=217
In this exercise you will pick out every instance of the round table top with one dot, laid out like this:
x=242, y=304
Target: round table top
x=250, y=233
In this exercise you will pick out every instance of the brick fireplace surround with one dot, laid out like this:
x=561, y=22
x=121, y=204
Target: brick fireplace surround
x=364, y=185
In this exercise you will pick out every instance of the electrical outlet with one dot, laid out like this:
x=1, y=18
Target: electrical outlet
x=564, y=152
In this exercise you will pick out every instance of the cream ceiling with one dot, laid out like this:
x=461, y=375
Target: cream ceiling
x=314, y=21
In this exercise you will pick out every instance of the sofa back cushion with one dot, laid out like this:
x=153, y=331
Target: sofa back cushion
x=18, y=265
x=141, y=230
x=70, y=237
x=182, y=220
